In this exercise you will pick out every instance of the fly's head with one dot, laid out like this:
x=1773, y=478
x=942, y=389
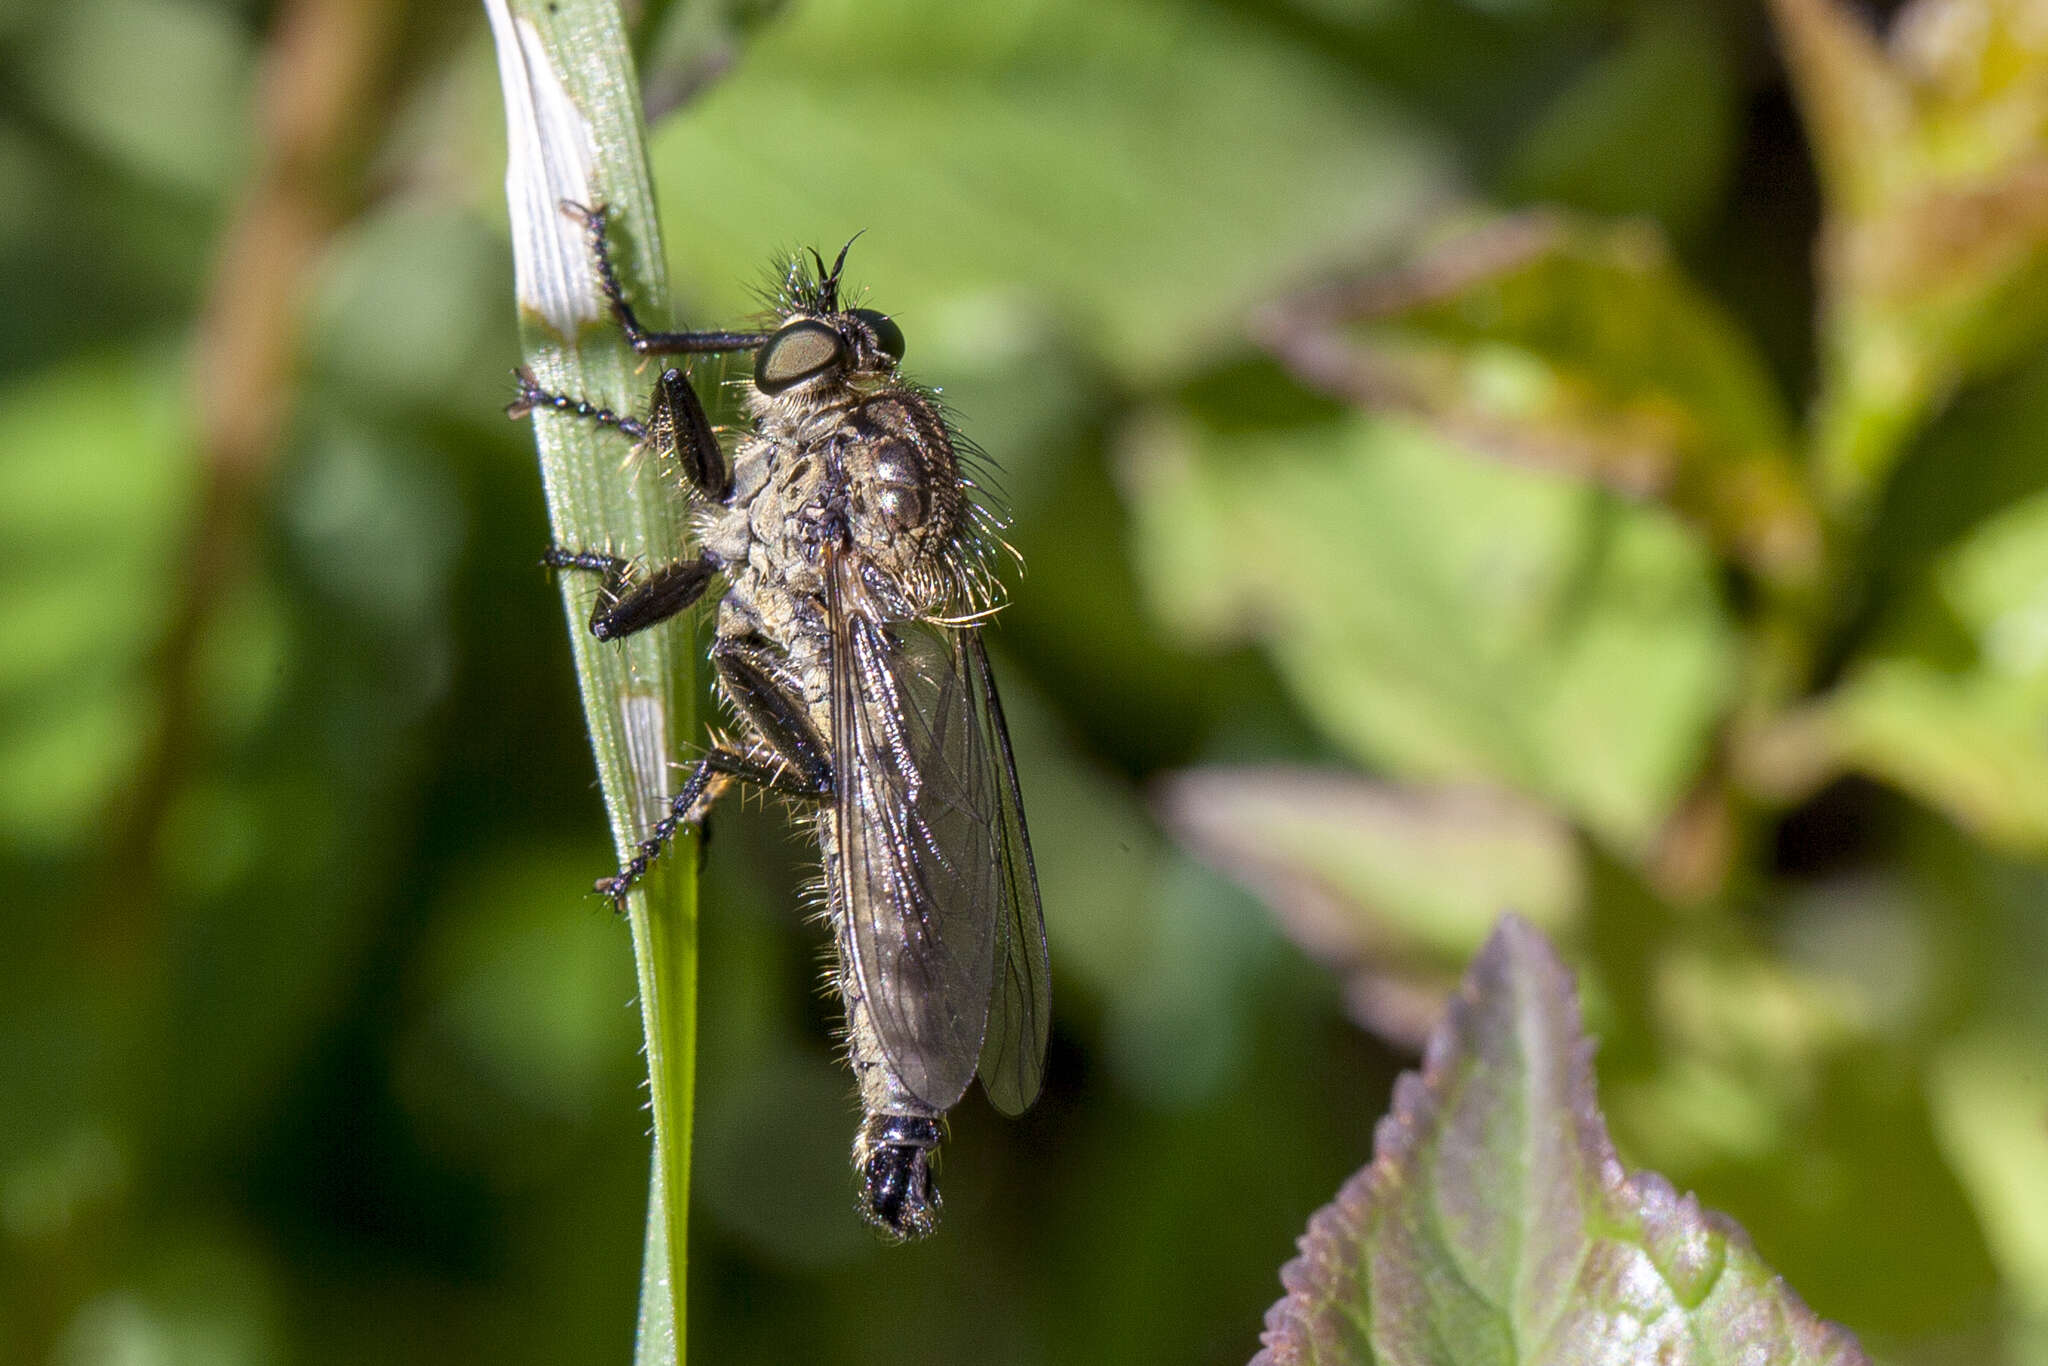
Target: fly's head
x=815, y=356
x=821, y=348
x=895, y=1159
x=889, y=493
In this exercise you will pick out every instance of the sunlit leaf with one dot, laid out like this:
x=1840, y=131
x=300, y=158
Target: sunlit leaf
x=1933, y=149
x=1972, y=744
x=1443, y=616
x=1970, y=737
x=1496, y=1224
x=1988, y=1099
x=1577, y=347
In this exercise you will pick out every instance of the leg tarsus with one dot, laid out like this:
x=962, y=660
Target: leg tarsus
x=533, y=396
x=676, y=423
x=799, y=765
x=697, y=791
x=597, y=561
x=643, y=342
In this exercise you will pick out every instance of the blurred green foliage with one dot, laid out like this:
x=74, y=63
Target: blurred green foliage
x=1692, y=577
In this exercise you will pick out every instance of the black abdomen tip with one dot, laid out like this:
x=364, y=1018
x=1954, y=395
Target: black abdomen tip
x=899, y=1192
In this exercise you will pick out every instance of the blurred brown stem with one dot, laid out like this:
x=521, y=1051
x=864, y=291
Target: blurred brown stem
x=317, y=108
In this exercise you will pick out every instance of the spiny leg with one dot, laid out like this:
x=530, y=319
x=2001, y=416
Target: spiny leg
x=621, y=610
x=800, y=767
x=677, y=426
x=532, y=396
x=642, y=341
x=683, y=433
x=707, y=780
x=748, y=675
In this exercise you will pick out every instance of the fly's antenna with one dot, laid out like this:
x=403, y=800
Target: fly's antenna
x=827, y=296
x=830, y=288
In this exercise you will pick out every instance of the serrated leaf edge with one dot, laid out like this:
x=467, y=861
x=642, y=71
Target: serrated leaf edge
x=1642, y=1206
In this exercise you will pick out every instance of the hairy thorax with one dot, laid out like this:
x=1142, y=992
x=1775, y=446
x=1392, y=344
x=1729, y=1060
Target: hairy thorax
x=871, y=475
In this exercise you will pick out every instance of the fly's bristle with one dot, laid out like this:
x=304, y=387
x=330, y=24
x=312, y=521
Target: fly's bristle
x=718, y=737
x=814, y=899
x=827, y=980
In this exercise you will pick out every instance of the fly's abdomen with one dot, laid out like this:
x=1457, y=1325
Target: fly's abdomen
x=895, y=1150
x=896, y=1159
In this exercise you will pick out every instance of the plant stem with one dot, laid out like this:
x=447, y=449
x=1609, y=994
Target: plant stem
x=574, y=132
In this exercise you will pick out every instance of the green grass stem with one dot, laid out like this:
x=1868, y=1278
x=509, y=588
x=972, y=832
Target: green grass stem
x=574, y=132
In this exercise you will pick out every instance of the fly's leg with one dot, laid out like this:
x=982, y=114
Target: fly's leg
x=642, y=341
x=676, y=425
x=676, y=422
x=683, y=434
x=708, y=779
x=799, y=766
x=621, y=609
x=775, y=712
x=532, y=396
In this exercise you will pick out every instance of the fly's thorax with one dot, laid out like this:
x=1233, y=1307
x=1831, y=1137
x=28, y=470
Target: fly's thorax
x=771, y=560
x=904, y=499
x=868, y=460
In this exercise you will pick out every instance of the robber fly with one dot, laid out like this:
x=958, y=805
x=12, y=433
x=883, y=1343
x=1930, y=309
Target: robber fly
x=847, y=649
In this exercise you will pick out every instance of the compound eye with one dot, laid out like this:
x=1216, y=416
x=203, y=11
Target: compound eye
x=888, y=335
x=803, y=350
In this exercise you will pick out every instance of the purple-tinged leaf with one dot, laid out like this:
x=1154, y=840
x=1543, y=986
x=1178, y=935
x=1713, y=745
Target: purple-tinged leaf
x=1495, y=1223
x=1394, y=886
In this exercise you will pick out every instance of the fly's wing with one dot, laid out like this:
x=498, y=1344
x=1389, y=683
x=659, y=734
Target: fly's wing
x=919, y=817
x=1020, y=1001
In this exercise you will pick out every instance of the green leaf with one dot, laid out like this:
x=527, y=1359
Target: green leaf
x=184, y=73
x=1446, y=618
x=1574, y=346
x=1987, y=1098
x=1395, y=886
x=1971, y=739
x=1148, y=170
x=95, y=492
x=1996, y=582
x=1496, y=1224
x=1933, y=150
x=1649, y=129
x=1973, y=745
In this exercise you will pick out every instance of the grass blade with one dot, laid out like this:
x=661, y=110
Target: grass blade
x=574, y=132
